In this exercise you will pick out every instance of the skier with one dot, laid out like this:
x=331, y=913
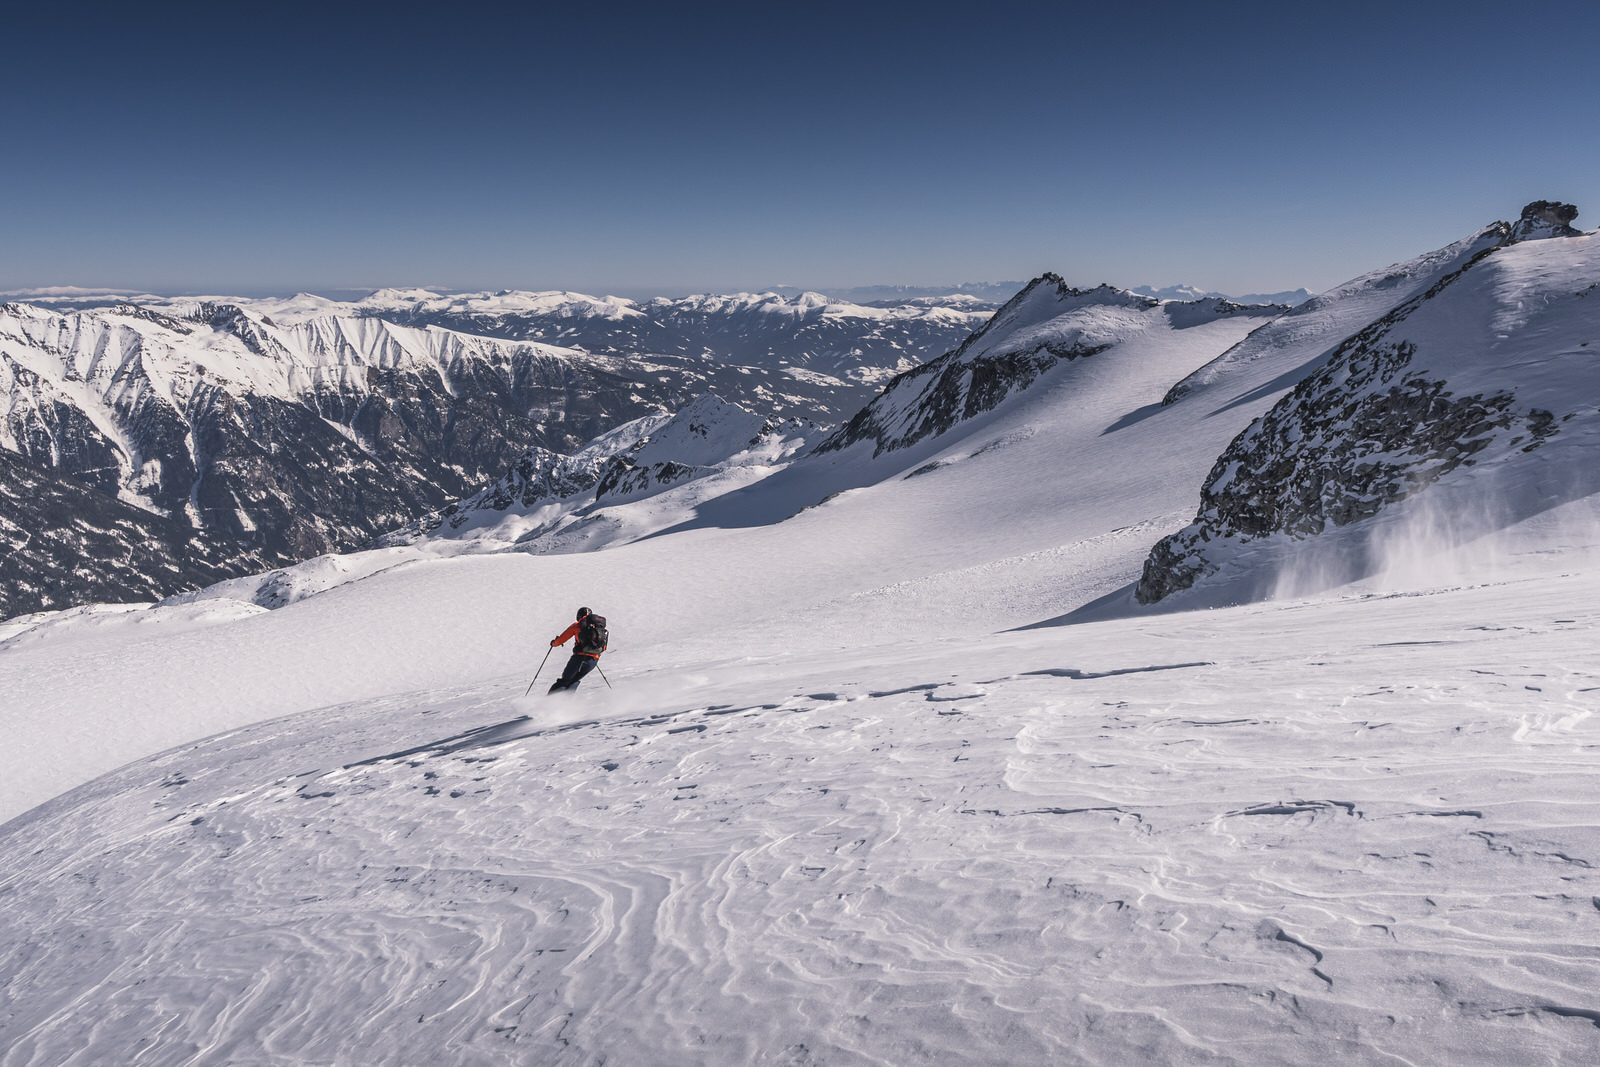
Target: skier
x=590, y=630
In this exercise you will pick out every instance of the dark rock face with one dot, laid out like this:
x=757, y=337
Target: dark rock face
x=624, y=478
x=1545, y=218
x=276, y=478
x=1359, y=434
x=51, y=433
x=539, y=475
x=64, y=543
x=950, y=393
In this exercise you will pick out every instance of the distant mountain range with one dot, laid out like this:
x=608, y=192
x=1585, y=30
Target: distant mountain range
x=254, y=436
x=151, y=447
x=961, y=296
x=805, y=332
x=1356, y=418
x=1291, y=297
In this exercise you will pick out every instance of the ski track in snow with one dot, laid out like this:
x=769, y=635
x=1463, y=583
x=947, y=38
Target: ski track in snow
x=1258, y=835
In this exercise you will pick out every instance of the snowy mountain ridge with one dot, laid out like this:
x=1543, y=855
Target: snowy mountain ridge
x=398, y=304
x=1047, y=322
x=1469, y=407
x=856, y=343
x=1311, y=330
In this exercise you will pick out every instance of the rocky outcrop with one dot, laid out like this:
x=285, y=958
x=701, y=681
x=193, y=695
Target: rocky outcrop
x=1416, y=398
x=1543, y=219
x=624, y=478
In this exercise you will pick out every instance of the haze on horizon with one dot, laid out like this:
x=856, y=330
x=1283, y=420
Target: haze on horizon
x=189, y=148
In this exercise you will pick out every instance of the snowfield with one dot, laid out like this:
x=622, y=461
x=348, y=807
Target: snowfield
x=1362, y=828
x=863, y=788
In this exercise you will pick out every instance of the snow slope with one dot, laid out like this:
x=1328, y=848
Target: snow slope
x=889, y=555
x=1355, y=830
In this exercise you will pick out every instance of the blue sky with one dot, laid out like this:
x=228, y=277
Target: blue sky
x=642, y=149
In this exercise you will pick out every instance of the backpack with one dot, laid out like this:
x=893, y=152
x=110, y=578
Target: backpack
x=592, y=636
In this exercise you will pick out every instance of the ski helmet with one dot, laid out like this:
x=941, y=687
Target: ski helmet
x=582, y=612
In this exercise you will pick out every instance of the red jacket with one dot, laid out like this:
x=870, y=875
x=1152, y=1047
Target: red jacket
x=569, y=633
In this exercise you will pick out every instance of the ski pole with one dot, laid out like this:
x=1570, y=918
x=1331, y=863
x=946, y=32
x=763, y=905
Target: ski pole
x=603, y=677
x=536, y=673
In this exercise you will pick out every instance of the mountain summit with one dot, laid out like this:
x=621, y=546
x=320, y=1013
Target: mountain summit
x=1545, y=218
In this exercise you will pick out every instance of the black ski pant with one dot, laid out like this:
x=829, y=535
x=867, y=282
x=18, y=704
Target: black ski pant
x=578, y=666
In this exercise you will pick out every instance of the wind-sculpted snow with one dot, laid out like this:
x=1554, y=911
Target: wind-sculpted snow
x=1047, y=323
x=1471, y=406
x=1264, y=835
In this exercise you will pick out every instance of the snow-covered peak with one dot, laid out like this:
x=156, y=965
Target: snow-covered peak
x=1049, y=314
x=767, y=303
x=706, y=432
x=412, y=305
x=954, y=301
x=399, y=296
x=1047, y=323
x=809, y=306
